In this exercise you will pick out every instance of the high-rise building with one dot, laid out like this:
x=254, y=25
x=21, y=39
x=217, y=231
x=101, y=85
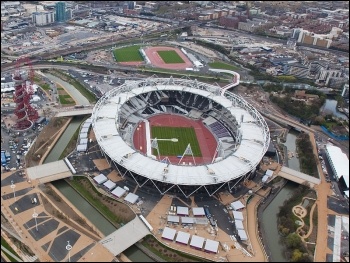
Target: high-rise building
x=43, y=18
x=61, y=12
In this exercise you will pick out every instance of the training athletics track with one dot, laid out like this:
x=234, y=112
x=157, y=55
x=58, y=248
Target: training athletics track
x=206, y=139
x=158, y=62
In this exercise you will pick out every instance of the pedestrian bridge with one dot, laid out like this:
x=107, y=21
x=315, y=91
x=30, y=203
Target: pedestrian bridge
x=71, y=111
x=125, y=236
x=50, y=171
x=298, y=177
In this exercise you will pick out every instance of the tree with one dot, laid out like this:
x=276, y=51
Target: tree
x=297, y=255
x=293, y=241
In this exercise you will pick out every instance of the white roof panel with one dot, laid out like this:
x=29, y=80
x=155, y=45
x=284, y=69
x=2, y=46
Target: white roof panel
x=340, y=162
x=198, y=211
x=83, y=141
x=197, y=241
x=100, y=179
x=182, y=237
x=236, y=205
x=82, y=147
x=237, y=215
x=168, y=233
x=182, y=210
x=242, y=234
x=131, y=198
x=187, y=220
x=211, y=245
x=239, y=224
x=174, y=219
x=118, y=191
x=109, y=184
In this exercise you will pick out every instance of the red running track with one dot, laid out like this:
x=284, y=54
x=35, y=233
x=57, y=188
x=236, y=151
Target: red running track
x=206, y=139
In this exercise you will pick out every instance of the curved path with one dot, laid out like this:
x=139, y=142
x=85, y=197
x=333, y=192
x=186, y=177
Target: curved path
x=301, y=212
x=235, y=80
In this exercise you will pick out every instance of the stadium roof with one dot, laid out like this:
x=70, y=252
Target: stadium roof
x=131, y=198
x=100, y=179
x=254, y=142
x=197, y=241
x=118, y=191
x=182, y=237
x=339, y=162
x=182, y=210
x=198, y=211
x=168, y=233
x=211, y=245
x=237, y=215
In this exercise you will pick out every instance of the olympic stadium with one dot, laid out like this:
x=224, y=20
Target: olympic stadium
x=178, y=135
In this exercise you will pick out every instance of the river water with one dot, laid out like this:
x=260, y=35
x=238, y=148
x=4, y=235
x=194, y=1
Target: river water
x=330, y=107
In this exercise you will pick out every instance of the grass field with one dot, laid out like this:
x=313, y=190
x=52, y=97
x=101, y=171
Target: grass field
x=128, y=54
x=222, y=65
x=184, y=135
x=170, y=56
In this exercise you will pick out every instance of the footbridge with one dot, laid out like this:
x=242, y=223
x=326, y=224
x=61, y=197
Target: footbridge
x=235, y=80
x=51, y=171
x=126, y=236
x=74, y=111
x=298, y=177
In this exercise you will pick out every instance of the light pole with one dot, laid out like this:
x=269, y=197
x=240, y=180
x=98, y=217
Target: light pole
x=35, y=215
x=13, y=186
x=68, y=247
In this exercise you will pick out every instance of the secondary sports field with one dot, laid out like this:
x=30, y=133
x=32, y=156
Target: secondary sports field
x=169, y=148
x=170, y=56
x=127, y=54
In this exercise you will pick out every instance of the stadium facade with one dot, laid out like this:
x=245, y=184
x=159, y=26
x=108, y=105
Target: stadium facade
x=242, y=134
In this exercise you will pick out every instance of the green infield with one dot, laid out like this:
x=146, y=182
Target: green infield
x=128, y=54
x=170, y=56
x=169, y=148
x=222, y=65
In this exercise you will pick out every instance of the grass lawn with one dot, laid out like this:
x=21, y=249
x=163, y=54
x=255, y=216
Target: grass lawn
x=170, y=56
x=184, y=135
x=66, y=99
x=127, y=54
x=222, y=65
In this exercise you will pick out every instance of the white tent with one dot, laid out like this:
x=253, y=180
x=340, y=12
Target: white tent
x=182, y=210
x=100, y=179
x=174, y=219
x=84, y=130
x=86, y=125
x=239, y=224
x=237, y=215
x=187, y=220
x=82, y=147
x=109, y=185
x=118, y=192
x=182, y=237
x=131, y=198
x=269, y=173
x=236, y=205
x=264, y=179
x=211, y=246
x=83, y=135
x=168, y=233
x=197, y=241
x=83, y=141
x=242, y=234
x=198, y=211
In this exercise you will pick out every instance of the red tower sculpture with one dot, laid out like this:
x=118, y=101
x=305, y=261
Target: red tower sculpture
x=25, y=113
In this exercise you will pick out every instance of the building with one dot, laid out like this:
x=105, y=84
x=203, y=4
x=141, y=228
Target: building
x=43, y=18
x=62, y=13
x=339, y=163
x=298, y=70
x=345, y=91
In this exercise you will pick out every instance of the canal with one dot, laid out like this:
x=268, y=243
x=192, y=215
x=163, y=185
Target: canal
x=100, y=222
x=269, y=221
x=330, y=107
